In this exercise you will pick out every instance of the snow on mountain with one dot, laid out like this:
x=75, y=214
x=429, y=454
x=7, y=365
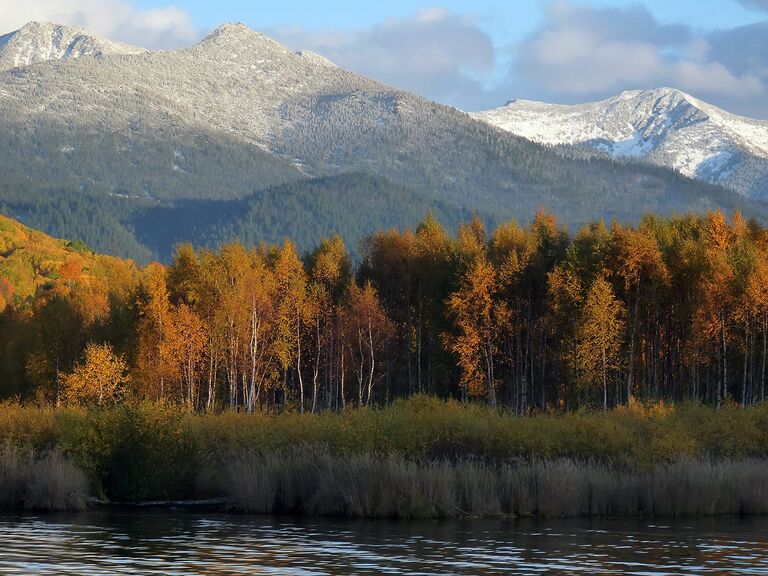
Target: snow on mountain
x=316, y=58
x=236, y=80
x=664, y=126
x=45, y=41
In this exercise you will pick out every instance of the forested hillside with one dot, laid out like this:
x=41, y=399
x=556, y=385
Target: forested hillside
x=526, y=317
x=352, y=206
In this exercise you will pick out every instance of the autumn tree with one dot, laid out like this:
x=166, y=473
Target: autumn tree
x=564, y=301
x=187, y=348
x=388, y=264
x=431, y=273
x=714, y=314
x=524, y=315
x=477, y=318
x=100, y=379
x=755, y=304
x=368, y=329
x=599, y=335
x=155, y=333
x=329, y=272
x=639, y=264
x=294, y=313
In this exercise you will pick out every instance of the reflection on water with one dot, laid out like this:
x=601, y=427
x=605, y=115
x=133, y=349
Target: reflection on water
x=175, y=543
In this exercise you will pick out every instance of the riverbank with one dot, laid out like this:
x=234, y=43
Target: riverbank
x=417, y=458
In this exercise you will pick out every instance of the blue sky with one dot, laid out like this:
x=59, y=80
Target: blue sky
x=478, y=54
x=507, y=20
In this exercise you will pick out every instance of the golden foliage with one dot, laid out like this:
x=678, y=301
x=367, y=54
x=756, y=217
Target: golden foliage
x=600, y=333
x=100, y=379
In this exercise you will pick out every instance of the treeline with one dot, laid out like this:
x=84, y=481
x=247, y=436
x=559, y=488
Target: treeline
x=529, y=318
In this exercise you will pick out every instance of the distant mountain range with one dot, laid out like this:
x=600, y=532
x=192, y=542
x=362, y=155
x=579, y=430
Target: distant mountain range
x=665, y=126
x=133, y=150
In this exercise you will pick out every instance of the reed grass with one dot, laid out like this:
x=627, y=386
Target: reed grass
x=314, y=482
x=45, y=482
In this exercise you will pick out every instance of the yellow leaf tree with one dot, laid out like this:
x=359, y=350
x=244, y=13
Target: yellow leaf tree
x=100, y=379
x=599, y=335
x=477, y=316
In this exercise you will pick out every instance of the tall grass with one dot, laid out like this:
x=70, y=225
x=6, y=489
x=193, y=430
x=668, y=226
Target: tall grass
x=314, y=482
x=153, y=451
x=44, y=482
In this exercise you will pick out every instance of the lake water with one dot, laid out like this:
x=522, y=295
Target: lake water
x=176, y=543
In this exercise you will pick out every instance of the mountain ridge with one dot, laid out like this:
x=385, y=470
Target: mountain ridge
x=664, y=126
x=39, y=42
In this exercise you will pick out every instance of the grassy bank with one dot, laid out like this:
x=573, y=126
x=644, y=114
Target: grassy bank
x=445, y=458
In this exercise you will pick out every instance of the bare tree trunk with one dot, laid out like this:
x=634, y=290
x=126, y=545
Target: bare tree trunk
x=418, y=348
x=298, y=361
x=255, y=329
x=361, y=368
x=695, y=380
x=489, y=373
x=762, y=367
x=725, y=361
x=631, y=365
x=372, y=360
x=605, y=381
x=744, y=375
x=544, y=373
x=212, y=383
x=316, y=370
x=341, y=379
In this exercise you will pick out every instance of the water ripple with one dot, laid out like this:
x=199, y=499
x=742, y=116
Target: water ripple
x=180, y=544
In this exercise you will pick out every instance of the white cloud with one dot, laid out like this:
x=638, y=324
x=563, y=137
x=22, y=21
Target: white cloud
x=436, y=53
x=582, y=52
x=759, y=5
x=166, y=27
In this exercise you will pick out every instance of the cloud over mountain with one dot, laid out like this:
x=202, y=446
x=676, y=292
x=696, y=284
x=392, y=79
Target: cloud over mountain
x=761, y=5
x=167, y=27
x=585, y=51
x=436, y=52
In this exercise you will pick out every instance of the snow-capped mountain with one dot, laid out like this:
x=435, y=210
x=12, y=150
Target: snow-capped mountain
x=664, y=126
x=45, y=41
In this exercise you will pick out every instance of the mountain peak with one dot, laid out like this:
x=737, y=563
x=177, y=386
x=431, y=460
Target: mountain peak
x=656, y=93
x=45, y=41
x=232, y=29
x=235, y=33
x=663, y=125
x=38, y=26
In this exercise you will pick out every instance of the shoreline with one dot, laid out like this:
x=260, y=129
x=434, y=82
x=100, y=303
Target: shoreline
x=219, y=507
